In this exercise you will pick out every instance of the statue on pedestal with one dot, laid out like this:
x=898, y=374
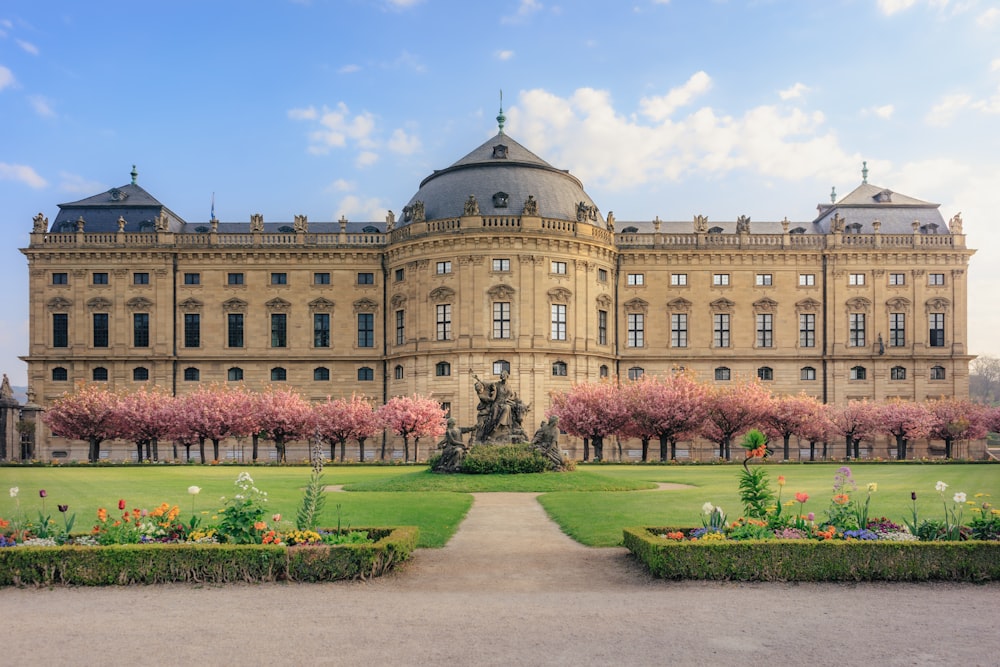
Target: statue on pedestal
x=499, y=413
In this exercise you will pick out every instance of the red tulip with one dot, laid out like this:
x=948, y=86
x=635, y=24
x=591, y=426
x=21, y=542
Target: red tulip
x=121, y=504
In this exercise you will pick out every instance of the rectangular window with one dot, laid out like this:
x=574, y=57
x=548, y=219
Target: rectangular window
x=140, y=278
x=807, y=279
x=558, y=267
x=366, y=278
x=936, y=329
x=635, y=279
x=602, y=275
x=321, y=278
x=856, y=279
x=192, y=278
x=764, y=279
x=443, y=267
x=935, y=279
x=765, y=330
x=234, y=329
x=807, y=373
x=279, y=278
x=100, y=278
x=366, y=330
x=678, y=279
x=807, y=330
x=636, y=329
x=234, y=279
x=60, y=330
x=100, y=329
x=399, y=275
x=60, y=278
x=558, y=321
x=443, y=320
x=720, y=330
x=602, y=327
x=501, y=319
x=400, y=327
x=856, y=331
x=279, y=330
x=321, y=330
x=897, y=278
x=678, y=330
x=501, y=264
x=192, y=330
x=140, y=329
x=720, y=279
x=897, y=329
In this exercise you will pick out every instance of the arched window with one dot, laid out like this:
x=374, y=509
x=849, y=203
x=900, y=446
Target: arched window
x=897, y=373
x=937, y=373
x=722, y=373
x=100, y=374
x=59, y=374
x=234, y=374
x=192, y=374
x=321, y=374
x=807, y=373
x=140, y=374
x=500, y=365
x=442, y=369
x=859, y=373
x=398, y=372
x=278, y=374
x=560, y=369
x=366, y=374
x=765, y=373
x=604, y=371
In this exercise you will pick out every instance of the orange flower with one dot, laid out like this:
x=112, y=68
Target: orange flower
x=260, y=525
x=675, y=535
x=102, y=515
x=781, y=480
x=841, y=499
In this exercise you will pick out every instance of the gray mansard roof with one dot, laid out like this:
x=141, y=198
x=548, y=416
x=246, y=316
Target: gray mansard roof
x=100, y=213
x=502, y=166
x=896, y=212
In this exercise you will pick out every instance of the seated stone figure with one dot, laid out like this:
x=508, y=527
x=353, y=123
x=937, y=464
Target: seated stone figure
x=546, y=440
x=453, y=449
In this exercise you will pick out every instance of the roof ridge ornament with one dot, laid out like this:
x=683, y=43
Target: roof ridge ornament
x=864, y=172
x=134, y=174
x=501, y=119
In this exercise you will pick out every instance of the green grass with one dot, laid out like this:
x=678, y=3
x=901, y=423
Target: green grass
x=591, y=504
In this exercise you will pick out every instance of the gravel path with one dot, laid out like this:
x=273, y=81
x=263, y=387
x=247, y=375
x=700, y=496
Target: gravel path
x=508, y=589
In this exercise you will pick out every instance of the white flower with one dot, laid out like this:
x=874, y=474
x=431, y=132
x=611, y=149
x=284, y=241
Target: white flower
x=941, y=486
x=194, y=490
x=14, y=491
x=707, y=508
x=959, y=497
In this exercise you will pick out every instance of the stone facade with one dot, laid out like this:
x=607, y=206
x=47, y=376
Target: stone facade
x=852, y=304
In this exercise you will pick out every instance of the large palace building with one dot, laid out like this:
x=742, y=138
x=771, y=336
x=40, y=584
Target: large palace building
x=498, y=262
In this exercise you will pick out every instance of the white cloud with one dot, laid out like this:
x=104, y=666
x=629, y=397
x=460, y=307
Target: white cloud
x=885, y=111
x=359, y=209
x=794, y=92
x=309, y=113
x=402, y=4
x=75, y=183
x=890, y=7
x=995, y=65
x=991, y=105
x=366, y=159
x=41, y=106
x=403, y=143
x=341, y=185
x=6, y=77
x=662, y=107
x=407, y=60
x=504, y=55
x=524, y=10
x=942, y=113
x=989, y=18
x=27, y=46
x=21, y=173
x=336, y=127
x=349, y=69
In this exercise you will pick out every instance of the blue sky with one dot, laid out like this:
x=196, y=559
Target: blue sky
x=340, y=107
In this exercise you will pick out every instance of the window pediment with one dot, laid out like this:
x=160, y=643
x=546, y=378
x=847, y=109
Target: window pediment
x=765, y=305
x=559, y=295
x=938, y=303
x=604, y=301
x=636, y=305
x=858, y=304
x=807, y=306
x=139, y=303
x=59, y=303
x=278, y=305
x=898, y=303
x=190, y=305
x=500, y=291
x=320, y=305
x=441, y=294
x=365, y=306
x=99, y=303
x=234, y=305
x=722, y=306
x=679, y=303
x=397, y=301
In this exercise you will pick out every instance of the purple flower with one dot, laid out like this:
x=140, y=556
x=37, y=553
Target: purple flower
x=42, y=493
x=63, y=508
x=913, y=495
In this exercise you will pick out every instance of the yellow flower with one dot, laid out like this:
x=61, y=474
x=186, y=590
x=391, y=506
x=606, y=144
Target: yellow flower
x=872, y=487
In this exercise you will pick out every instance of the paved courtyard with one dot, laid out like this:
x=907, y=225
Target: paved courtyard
x=508, y=589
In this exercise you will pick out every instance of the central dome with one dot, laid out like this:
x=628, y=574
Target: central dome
x=501, y=175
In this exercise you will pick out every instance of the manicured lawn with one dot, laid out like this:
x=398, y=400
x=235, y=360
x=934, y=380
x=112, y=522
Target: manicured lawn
x=592, y=504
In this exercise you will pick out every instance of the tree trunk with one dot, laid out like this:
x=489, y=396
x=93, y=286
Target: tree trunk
x=279, y=446
x=406, y=448
x=645, y=449
x=187, y=450
x=256, y=441
x=175, y=450
x=384, y=438
x=215, y=449
x=201, y=449
x=586, y=449
x=847, y=441
x=343, y=449
x=825, y=449
x=361, y=450
x=900, y=448
x=788, y=436
x=663, y=446
x=95, y=449
x=598, y=448
x=812, y=450
x=947, y=448
x=729, y=453
x=156, y=449
x=857, y=448
x=139, y=447
x=416, y=445
x=673, y=449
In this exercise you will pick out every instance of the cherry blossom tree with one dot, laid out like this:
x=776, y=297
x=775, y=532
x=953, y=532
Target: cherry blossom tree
x=904, y=420
x=145, y=417
x=817, y=429
x=87, y=414
x=732, y=409
x=790, y=415
x=340, y=420
x=282, y=415
x=957, y=419
x=854, y=422
x=593, y=410
x=216, y=412
x=669, y=409
x=413, y=416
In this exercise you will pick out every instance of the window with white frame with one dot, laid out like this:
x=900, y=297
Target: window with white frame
x=501, y=319
x=443, y=319
x=764, y=279
x=443, y=267
x=937, y=373
x=501, y=264
x=636, y=329
x=935, y=279
x=635, y=279
x=765, y=330
x=807, y=373
x=897, y=279
x=858, y=373
x=722, y=373
x=897, y=329
x=807, y=330
x=678, y=279
x=807, y=279
x=856, y=279
x=678, y=330
x=558, y=311
x=720, y=330
x=720, y=279
x=936, y=322
x=558, y=267
x=856, y=330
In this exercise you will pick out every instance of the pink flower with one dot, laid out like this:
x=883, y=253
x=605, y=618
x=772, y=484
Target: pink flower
x=42, y=493
x=801, y=497
x=276, y=518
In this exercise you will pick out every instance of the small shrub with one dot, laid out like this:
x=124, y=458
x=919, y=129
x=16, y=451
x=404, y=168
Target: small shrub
x=503, y=460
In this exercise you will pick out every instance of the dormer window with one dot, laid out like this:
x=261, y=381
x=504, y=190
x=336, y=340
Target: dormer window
x=500, y=152
x=884, y=197
x=201, y=229
x=929, y=228
x=715, y=230
x=286, y=229
x=117, y=195
x=500, y=199
x=630, y=230
x=798, y=230
x=370, y=229
x=854, y=228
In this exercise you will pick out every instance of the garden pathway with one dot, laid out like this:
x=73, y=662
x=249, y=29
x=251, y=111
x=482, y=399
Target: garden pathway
x=509, y=589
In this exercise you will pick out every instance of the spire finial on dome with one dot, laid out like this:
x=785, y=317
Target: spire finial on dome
x=864, y=171
x=135, y=175
x=500, y=117
x=833, y=195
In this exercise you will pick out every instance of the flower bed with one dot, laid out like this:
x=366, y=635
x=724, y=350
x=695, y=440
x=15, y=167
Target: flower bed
x=812, y=560
x=123, y=564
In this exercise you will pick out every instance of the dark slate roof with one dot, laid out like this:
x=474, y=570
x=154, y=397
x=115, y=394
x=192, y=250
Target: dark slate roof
x=276, y=227
x=895, y=211
x=728, y=226
x=100, y=213
x=483, y=174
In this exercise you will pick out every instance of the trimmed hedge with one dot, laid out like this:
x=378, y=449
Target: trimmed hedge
x=205, y=563
x=503, y=460
x=812, y=560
